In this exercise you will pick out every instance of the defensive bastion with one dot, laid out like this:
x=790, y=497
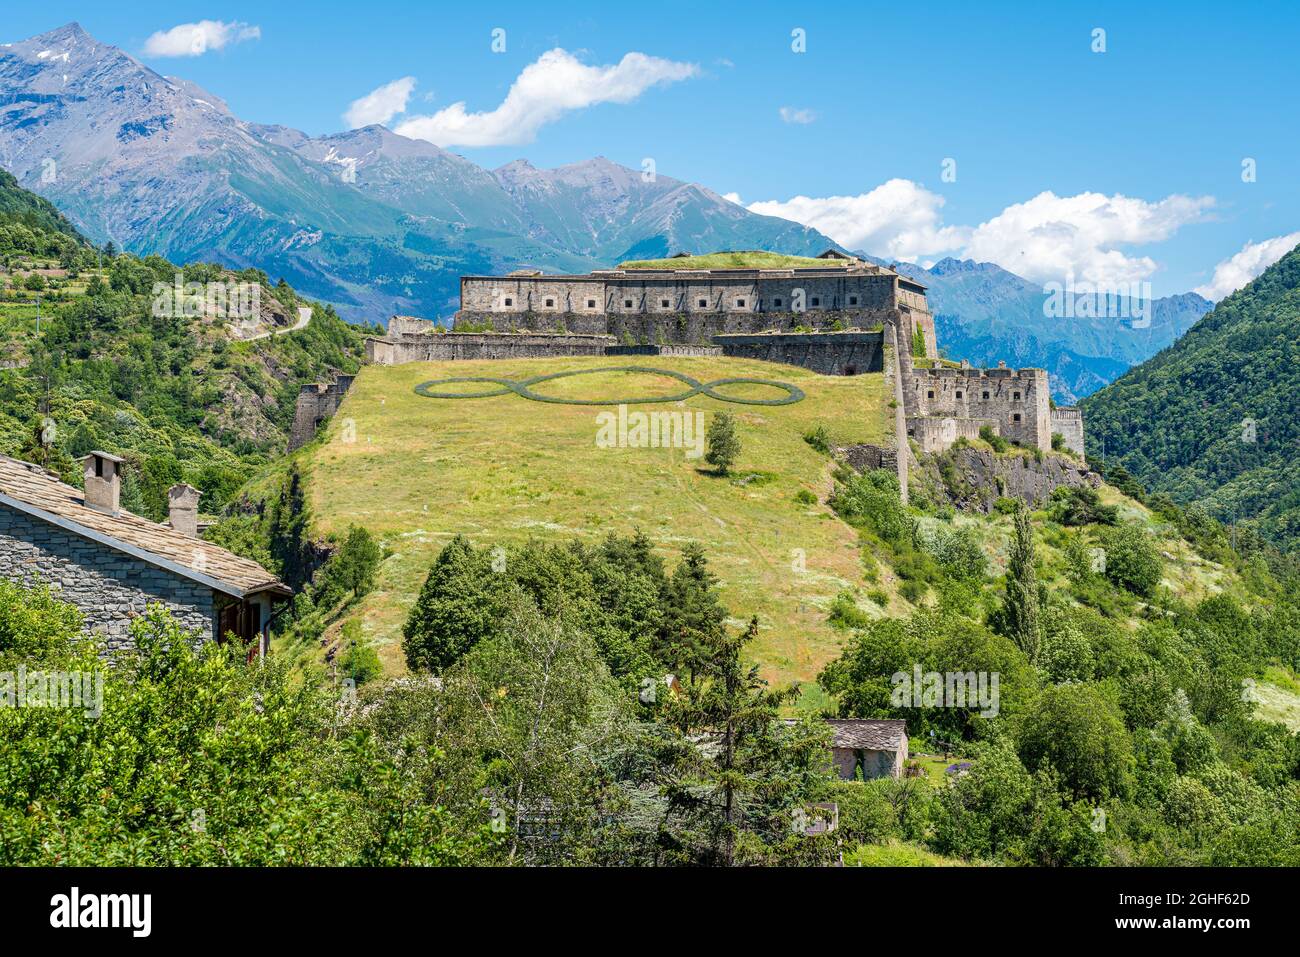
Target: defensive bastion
x=848, y=319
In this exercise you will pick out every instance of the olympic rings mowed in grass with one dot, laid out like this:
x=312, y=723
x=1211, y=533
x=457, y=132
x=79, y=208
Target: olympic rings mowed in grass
x=524, y=388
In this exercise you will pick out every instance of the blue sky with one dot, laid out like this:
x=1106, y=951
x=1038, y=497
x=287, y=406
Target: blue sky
x=1120, y=166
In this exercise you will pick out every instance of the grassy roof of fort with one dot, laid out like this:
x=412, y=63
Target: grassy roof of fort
x=742, y=259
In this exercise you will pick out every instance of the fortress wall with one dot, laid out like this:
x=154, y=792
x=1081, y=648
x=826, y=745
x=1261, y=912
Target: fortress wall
x=1016, y=399
x=316, y=404
x=830, y=353
x=665, y=350
x=683, y=291
x=465, y=345
x=938, y=434
x=1068, y=421
x=675, y=328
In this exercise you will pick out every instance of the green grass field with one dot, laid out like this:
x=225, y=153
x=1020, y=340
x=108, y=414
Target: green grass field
x=417, y=471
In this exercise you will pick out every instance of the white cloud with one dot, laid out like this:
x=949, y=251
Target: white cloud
x=1051, y=237
x=733, y=198
x=541, y=94
x=195, y=39
x=380, y=105
x=790, y=115
x=1046, y=238
x=897, y=220
x=1235, y=271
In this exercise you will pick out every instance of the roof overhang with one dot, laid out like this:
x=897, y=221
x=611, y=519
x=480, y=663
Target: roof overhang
x=234, y=591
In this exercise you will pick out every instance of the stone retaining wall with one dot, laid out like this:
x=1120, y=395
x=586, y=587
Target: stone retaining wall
x=828, y=353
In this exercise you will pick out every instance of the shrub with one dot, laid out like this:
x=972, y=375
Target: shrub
x=1077, y=505
x=871, y=499
x=819, y=438
x=1132, y=561
x=992, y=438
x=805, y=497
x=359, y=660
x=845, y=613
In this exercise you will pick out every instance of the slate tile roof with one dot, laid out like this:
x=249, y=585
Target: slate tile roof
x=868, y=734
x=39, y=493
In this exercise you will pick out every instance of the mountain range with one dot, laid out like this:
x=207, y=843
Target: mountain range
x=369, y=220
x=985, y=314
x=377, y=223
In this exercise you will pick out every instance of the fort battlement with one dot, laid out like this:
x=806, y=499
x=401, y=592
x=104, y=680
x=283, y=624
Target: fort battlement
x=691, y=306
x=1018, y=400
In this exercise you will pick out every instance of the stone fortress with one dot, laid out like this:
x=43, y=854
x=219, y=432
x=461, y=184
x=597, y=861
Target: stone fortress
x=845, y=318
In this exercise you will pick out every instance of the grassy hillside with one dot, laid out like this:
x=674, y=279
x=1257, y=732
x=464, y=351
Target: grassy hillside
x=746, y=259
x=503, y=469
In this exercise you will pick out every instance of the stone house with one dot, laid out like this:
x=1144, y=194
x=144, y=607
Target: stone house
x=876, y=747
x=112, y=564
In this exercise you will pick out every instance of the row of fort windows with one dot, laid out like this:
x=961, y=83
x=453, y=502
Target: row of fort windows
x=1015, y=396
x=814, y=302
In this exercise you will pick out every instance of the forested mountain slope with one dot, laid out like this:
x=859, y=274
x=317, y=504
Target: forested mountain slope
x=1213, y=419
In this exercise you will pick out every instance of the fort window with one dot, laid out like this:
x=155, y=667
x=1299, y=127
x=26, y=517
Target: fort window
x=930, y=394
x=1016, y=396
x=986, y=395
x=740, y=304
x=959, y=393
x=777, y=302
x=663, y=303
x=627, y=303
x=816, y=301
x=591, y=303
x=1016, y=417
x=509, y=301
x=703, y=303
x=853, y=301
x=550, y=303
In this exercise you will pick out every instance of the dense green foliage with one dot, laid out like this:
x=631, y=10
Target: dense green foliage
x=1121, y=729
x=172, y=390
x=1212, y=419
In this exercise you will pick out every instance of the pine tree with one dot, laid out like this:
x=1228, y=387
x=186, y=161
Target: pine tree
x=694, y=617
x=723, y=445
x=458, y=606
x=736, y=775
x=1020, y=610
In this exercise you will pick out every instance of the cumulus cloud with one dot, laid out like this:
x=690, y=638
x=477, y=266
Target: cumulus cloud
x=733, y=198
x=1046, y=238
x=898, y=220
x=1052, y=237
x=196, y=39
x=790, y=115
x=556, y=84
x=1239, y=269
x=380, y=105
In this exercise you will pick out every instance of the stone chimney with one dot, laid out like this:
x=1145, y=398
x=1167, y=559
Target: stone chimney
x=183, y=507
x=103, y=482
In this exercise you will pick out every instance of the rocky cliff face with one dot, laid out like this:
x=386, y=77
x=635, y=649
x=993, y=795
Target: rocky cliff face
x=974, y=479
